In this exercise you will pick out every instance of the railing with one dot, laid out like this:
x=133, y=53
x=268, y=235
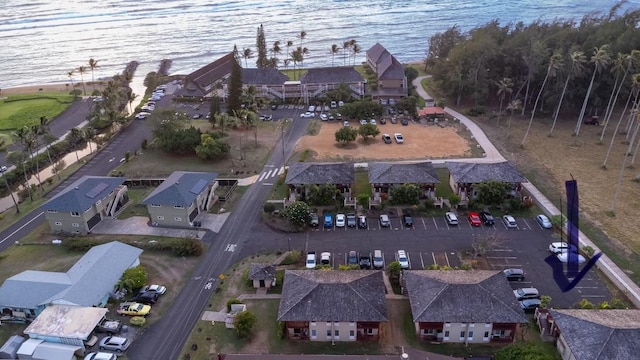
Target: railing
x=233, y=183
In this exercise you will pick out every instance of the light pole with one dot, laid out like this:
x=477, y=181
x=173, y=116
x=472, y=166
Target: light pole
x=282, y=140
x=289, y=243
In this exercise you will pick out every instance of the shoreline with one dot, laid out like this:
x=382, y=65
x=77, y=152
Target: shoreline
x=32, y=89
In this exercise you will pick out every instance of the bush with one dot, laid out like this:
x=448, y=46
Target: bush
x=231, y=302
x=269, y=208
x=138, y=321
x=588, y=250
x=292, y=258
x=476, y=111
x=281, y=330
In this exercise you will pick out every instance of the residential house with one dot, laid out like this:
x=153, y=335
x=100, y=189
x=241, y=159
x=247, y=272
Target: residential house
x=205, y=80
x=89, y=282
x=36, y=349
x=383, y=177
x=333, y=305
x=318, y=81
x=431, y=113
x=589, y=334
x=392, y=83
x=181, y=197
x=66, y=324
x=82, y=205
x=463, y=177
x=269, y=83
x=262, y=275
x=302, y=175
x=463, y=306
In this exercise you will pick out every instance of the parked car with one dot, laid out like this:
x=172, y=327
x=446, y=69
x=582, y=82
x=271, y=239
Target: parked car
x=108, y=326
x=514, y=274
x=487, y=218
x=394, y=120
x=328, y=221
x=474, y=218
x=363, y=122
x=384, y=221
x=133, y=309
x=3, y=168
x=100, y=356
x=399, y=138
x=339, y=117
x=452, y=219
x=324, y=117
x=564, y=257
x=314, y=219
x=197, y=116
x=155, y=289
x=383, y=121
x=401, y=257
x=340, y=220
x=526, y=293
x=404, y=122
x=311, y=260
x=372, y=122
x=378, y=260
x=266, y=117
x=307, y=115
x=386, y=138
x=364, y=262
x=346, y=123
x=362, y=222
x=311, y=108
x=114, y=343
x=352, y=258
x=529, y=305
x=544, y=221
x=340, y=103
x=142, y=115
x=509, y=221
x=331, y=117
x=407, y=220
x=274, y=106
x=325, y=258
x=351, y=220
x=561, y=246
x=146, y=298
x=334, y=104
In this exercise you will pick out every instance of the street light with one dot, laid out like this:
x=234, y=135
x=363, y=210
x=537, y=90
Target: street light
x=289, y=242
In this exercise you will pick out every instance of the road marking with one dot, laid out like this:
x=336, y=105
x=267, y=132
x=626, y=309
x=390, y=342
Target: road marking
x=424, y=224
x=275, y=172
x=261, y=176
x=447, y=258
x=230, y=247
x=21, y=227
x=270, y=166
x=421, y=260
x=502, y=257
x=281, y=170
x=268, y=174
x=268, y=184
x=434, y=258
x=434, y=223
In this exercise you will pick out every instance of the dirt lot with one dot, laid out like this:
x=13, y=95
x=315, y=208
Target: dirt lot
x=420, y=142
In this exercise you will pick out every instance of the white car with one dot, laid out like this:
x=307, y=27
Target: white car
x=564, y=257
x=155, y=98
x=340, y=220
x=147, y=108
x=372, y=121
x=324, y=117
x=399, y=138
x=311, y=108
x=340, y=103
x=100, y=356
x=154, y=289
x=325, y=258
x=509, y=221
x=561, y=246
x=142, y=115
x=401, y=257
x=363, y=122
x=452, y=219
x=543, y=221
x=3, y=168
x=334, y=105
x=307, y=115
x=311, y=260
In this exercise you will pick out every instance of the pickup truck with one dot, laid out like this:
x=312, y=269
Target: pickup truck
x=109, y=326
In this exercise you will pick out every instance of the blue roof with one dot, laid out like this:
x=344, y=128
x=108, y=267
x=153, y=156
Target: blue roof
x=180, y=188
x=83, y=193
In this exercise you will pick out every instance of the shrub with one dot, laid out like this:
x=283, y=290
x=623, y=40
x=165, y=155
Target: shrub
x=292, y=258
x=588, y=250
x=476, y=111
x=269, y=208
x=138, y=321
x=281, y=330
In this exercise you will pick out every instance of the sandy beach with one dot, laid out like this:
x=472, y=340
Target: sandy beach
x=30, y=89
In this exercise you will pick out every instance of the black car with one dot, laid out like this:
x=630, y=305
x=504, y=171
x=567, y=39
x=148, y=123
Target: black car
x=487, y=218
x=352, y=259
x=514, y=274
x=383, y=121
x=364, y=262
x=407, y=220
x=362, y=222
x=147, y=298
x=405, y=122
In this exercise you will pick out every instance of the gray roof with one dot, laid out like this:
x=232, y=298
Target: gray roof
x=180, y=189
x=474, y=173
x=212, y=72
x=84, y=284
x=331, y=75
x=600, y=334
x=333, y=295
x=263, y=77
x=376, y=52
x=83, y=193
x=462, y=296
x=390, y=173
x=302, y=173
x=388, y=67
x=262, y=272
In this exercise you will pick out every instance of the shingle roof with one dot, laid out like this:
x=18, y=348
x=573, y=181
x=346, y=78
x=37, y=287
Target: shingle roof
x=462, y=296
x=474, y=173
x=180, y=188
x=84, y=284
x=389, y=173
x=333, y=295
x=331, y=75
x=263, y=77
x=262, y=272
x=212, y=72
x=320, y=173
x=600, y=334
x=83, y=193
x=387, y=66
x=376, y=52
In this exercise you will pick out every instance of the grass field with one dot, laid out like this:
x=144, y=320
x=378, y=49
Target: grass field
x=21, y=110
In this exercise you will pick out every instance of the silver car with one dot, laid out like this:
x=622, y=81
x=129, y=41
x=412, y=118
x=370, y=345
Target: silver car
x=114, y=343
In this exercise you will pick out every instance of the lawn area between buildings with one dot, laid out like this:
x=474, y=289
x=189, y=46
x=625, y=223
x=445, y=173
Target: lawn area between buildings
x=26, y=110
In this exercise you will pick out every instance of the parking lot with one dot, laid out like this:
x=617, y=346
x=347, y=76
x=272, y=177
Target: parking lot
x=432, y=241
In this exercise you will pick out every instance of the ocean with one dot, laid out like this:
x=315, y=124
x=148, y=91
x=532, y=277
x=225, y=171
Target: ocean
x=42, y=40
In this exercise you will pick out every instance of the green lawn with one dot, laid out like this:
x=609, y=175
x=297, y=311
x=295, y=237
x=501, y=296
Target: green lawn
x=362, y=185
x=134, y=207
x=443, y=189
x=26, y=110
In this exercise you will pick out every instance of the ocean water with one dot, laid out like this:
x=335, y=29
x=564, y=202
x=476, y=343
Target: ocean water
x=42, y=40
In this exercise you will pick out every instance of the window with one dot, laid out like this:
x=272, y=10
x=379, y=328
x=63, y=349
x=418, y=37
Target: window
x=470, y=336
x=177, y=218
x=472, y=325
x=75, y=225
x=52, y=211
x=178, y=206
x=313, y=334
x=487, y=325
x=98, y=202
x=352, y=324
x=159, y=217
x=329, y=334
x=486, y=335
x=446, y=335
x=462, y=335
x=370, y=331
x=155, y=205
x=336, y=334
x=352, y=334
x=58, y=223
x=75, y=213
x=336, y=324
x=86, y=211
x=328, y=324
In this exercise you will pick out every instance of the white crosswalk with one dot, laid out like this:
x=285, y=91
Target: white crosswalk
x=270, y=174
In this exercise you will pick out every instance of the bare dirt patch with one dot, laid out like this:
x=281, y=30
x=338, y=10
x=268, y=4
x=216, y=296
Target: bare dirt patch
x=391, y=335
x=421, y=141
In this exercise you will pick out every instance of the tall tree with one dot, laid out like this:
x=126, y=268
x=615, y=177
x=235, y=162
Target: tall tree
x=635, y=80
x=345, y=50
x=333, y=51
x=577, y=65
x=13, y=198
x=275, y=51
x=82, y=70
x=247, y=54
x=261, y=45
x=302, y=36
x=296, y=57
x=352, y=44
x=600, y=60
x=93, y=64
x=19, y=159
x=70, y=75
x=89, y=134
x=356, y=49
x=234, y=102
x=505, y=86
x=631, y=60
x=554, y=65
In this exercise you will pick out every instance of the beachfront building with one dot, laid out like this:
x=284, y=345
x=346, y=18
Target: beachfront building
x=392, y=83
x=318, y=81
x=204, y=81
x=463, y=178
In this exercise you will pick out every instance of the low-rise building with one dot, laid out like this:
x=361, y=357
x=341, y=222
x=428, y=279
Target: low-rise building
x=464, y=176
x=262, y=275
x=302, y=176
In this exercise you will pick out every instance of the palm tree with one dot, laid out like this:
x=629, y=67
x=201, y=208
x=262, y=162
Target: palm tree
x=303, y=52
x=93, y=64
x=286, y=63
x=345, y=47
x=505, y=86
x=70, y=75
x=82, y=70
x=514, y=105
x=296, y=57
x=247, y=54
x=356, y=49
x=15, y=203
x=131, y=97
x=276, y=50
x=333, y=51
x=600, y=59
x=577, y=61
x=19, y=159
x=302, y=36
x=631, y=60
x=48, y=140
x=89, y=134
x=352, y=43
x=635, y=90
x=554, y=64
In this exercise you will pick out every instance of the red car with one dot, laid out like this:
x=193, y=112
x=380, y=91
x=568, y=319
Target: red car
x=474, y=218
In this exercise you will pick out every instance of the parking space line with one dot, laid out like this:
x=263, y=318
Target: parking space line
x=526, y=223
x=434, y=222
x=447, y=258
x=424, y=224
x=434, y=257
x=421, y=260
x=593, y=296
